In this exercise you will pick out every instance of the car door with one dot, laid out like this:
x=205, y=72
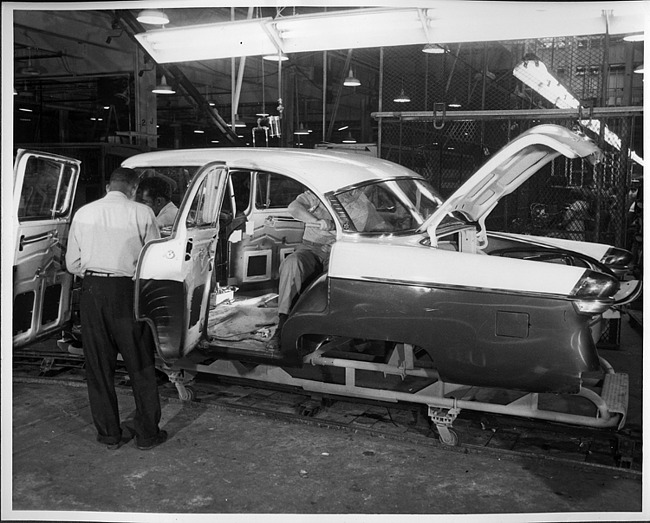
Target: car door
x=174, y=274
x=44, y=189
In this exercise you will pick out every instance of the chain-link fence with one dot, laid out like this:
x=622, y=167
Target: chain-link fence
x=465, y=104
x=567, y=198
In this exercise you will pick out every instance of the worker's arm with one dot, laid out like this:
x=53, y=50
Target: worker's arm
x=300, y=210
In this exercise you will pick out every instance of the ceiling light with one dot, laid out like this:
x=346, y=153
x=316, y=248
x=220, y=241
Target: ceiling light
x=343, y=128
x=276, y=57
x=610, y=137
x=535, y=75
x=349, y=138
x=455, y=104
x=402, y=97
x=434, y=49
x=238, y=122
x=199, y=131
x=302, y=130
x=228, y=39
x=29, y=70
x=153, y=17
x=351, y=81
x=352, y=29
x=639, y=69
x=163, y=88
x=634, y=38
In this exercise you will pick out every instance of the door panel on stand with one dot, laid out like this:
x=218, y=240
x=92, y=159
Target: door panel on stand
x=44, y=188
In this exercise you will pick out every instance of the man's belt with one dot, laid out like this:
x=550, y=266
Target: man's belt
x=102, y=274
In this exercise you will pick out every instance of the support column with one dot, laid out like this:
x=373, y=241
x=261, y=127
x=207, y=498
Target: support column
x=146, y=115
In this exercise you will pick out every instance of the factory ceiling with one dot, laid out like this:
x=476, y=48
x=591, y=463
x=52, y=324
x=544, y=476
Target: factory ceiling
x=84, y=59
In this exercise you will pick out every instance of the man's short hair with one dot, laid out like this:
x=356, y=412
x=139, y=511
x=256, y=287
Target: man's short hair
x=124, y=175
x=156, y=187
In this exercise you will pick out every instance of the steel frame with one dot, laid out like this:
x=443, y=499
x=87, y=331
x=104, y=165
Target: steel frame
x=444, y=400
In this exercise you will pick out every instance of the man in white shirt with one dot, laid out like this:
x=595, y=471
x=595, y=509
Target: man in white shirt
x=106, y=237
x=156, y=193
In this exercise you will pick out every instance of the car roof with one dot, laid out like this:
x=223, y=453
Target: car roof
x=323, y=171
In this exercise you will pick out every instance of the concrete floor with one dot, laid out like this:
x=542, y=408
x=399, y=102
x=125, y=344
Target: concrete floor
x=220, y=461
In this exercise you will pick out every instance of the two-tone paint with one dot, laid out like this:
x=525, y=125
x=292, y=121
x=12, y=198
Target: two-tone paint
x=483, y=322
x=495, y=321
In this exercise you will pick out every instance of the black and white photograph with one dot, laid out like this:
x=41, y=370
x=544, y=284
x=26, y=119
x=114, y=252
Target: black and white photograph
x=324, y=261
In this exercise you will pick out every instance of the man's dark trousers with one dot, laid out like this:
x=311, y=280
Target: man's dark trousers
x=109, y=328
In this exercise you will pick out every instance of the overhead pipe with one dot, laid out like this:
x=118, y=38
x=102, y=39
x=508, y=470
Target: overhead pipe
x=338, y=97
x=236, y=86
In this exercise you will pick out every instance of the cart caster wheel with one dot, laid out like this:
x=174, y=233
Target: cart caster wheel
x=309, y=409
x=187, y=394
x=450, y=438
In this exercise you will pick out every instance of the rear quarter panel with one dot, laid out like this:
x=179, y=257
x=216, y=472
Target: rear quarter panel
x=483, y=321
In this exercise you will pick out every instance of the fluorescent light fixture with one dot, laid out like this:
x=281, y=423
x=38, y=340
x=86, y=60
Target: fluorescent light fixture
x=214, y=141
x=351, y=81
x=639, y=37
x=209, y=41
x=639, y=69
x=199, y=131
x=434, y=49
x=455, y=105
x=610, y=137
x=25, y=110
x=349, y=138
x=352, y=29
x=152, y=17
x=343, y=128
x=402, y=97
x=536, y=76
x=162, y=87
x=276, y=57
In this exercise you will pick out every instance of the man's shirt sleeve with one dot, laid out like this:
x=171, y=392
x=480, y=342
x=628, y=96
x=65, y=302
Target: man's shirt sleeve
x=73, y=252
x=150, y=229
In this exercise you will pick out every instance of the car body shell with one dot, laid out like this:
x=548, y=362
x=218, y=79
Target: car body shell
x=484, y=320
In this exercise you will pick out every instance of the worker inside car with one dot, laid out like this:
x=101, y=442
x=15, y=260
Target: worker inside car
x=311, y=257
x=156, y=193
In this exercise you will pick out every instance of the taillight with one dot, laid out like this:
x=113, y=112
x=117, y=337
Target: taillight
x=594, y=292
x=615, y=257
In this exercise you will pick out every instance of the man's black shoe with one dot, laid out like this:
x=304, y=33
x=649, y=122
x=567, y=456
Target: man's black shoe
x=158, y=440
x=127, y=435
